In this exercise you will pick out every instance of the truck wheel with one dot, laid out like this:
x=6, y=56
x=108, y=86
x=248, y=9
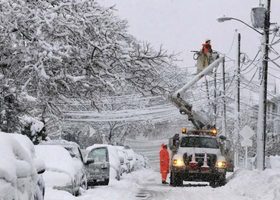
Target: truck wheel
x=218, y=182
x=212, y=183
x=105, y=182
x=222, y=182
x=176, y=179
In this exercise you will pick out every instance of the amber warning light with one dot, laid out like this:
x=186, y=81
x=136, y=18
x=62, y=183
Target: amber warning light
x=212, y=132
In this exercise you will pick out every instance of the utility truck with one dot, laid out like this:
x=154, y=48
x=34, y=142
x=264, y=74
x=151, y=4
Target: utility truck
x=200, y=154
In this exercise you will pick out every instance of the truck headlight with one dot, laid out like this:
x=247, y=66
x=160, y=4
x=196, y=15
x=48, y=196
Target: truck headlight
x=221, y=164
x=178, y=163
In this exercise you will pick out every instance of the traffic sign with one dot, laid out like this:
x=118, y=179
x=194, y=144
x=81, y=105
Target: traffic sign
x=247, y=132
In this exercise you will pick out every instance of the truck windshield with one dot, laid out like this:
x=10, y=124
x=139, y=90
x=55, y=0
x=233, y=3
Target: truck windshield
x=201, y=142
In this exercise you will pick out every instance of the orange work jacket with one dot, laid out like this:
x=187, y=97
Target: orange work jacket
x=164, y=160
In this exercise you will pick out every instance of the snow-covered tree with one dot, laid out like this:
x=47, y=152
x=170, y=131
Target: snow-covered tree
x=56, y=50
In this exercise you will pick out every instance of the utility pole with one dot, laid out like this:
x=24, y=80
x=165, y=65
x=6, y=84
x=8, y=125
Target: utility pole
x=237, y=101
x=215, y=96
x=261, y=131
x=238, y=75
x=224, y=128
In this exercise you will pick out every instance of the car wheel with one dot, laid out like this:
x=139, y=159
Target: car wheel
x=84, y=184
x=118, y=177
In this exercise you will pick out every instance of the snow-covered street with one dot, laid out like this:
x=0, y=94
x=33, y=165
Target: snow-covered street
x=145, y=184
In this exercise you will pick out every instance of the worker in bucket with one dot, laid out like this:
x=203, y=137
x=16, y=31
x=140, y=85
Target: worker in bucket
x=206, y=52
x=164, y=163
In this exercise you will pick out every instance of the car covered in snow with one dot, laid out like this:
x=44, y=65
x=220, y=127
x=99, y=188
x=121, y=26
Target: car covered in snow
x=75, y=152
x=20, y=169
x=141, y=161
x=131, y=156
x=103, y=164
x=62, y=171
x=123, y=156
x=72, y=147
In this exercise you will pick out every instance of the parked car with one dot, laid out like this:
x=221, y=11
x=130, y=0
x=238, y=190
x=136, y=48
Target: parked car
x=76, y=154
x=123, y=156
x=20, y=169
x=141, y=162
x=62, y=171
x=72, y=147
x=102, y=164
x=131, y=157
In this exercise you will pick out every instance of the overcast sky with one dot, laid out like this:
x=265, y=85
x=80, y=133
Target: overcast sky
x=183, y=25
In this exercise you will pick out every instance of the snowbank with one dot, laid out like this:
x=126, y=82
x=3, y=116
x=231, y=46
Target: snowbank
x=258, y=185
x=275, y=162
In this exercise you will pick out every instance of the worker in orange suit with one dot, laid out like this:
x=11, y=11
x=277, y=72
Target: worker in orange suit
x=164, y=163
x=206, y=52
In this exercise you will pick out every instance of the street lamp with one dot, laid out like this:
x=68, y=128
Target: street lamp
x=223, y=19
x=261, y=129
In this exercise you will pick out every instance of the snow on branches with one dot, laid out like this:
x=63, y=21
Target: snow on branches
x=51, y=50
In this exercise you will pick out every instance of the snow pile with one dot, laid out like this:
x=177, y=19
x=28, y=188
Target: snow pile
x=52, y=194
x=275, y=162
x=126, y=189
x=259, y=185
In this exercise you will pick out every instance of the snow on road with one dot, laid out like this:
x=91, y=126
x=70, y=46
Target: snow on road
x=146, y=185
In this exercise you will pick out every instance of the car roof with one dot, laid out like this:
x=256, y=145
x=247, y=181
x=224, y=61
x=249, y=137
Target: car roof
x=60, y=142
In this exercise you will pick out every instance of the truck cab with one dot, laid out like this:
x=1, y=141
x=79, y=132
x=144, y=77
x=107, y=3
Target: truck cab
x=198, y=155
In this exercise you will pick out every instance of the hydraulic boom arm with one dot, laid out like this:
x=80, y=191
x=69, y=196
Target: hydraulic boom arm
x=184, y=107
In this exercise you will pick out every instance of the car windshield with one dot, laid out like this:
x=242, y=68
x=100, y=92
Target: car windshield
x=201, y=142
x=98, y=155
x=73, y=152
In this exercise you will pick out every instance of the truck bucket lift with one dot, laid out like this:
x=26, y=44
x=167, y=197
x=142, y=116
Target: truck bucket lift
x=203, y=61
x=184, y=107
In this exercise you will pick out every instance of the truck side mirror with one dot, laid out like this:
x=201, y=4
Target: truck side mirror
x=222, y=137
x=170, y=144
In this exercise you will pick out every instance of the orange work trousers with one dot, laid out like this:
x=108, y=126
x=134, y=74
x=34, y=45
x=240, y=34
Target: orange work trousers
x=164, y=176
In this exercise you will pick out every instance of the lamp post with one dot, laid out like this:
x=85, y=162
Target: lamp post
x=261, y=129
x=223, y=19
